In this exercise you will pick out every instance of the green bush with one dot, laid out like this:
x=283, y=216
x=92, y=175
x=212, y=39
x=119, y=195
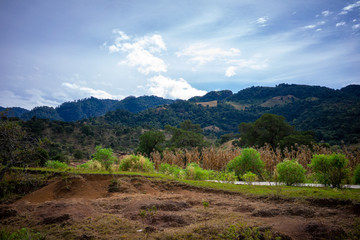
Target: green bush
x=290, y=172
x=136, y=164
x=248, y=161
x=56, y=164
x=330, y=170
x=250, y=177
x=105, y=156
x=171, y=170
x=357, y=174
x=222, y=176
x=195, y=172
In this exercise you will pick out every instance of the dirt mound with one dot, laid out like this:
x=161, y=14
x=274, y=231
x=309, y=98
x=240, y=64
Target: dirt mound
x=299, y=211
x=70, y=187
x=266, y=213
x=58, y=212
x=244, y=208
x=167, y=206
x=320, y=231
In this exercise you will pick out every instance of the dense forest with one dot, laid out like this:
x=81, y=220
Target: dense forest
x=75, y=128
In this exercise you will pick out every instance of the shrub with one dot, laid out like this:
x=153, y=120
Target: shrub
x=250, y=177
x=171, y=170
x=248, y=161
x=56, y=164
x=136, y=163
x=330, y=169
x=222, y=176
x=357, y=174
x=91, y=165
x=290, y=172
x=195, y=172
x=105, y=156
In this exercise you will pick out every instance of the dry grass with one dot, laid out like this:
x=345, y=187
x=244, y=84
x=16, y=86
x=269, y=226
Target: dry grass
x=217, y=158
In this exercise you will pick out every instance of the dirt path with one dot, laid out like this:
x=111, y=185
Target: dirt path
x=82, y=207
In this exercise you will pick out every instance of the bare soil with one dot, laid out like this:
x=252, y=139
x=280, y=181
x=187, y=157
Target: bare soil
x=97, y=207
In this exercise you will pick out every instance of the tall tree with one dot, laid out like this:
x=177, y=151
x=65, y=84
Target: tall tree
x=150, y=141
x=187, y=136
x=269, y=128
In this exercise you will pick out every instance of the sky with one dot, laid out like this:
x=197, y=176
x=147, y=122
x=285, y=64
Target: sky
x=53, y=51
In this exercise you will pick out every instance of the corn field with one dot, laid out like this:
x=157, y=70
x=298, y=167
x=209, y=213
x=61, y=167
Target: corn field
x=212, y=158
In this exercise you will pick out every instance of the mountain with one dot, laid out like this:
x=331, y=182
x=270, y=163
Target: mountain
x=13, y=112
x=138, y=104
x=89, y=107
x=332, y=114
x=213, y=96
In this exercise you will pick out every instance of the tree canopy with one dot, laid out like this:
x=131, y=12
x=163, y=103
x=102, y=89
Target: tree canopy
x=151, y=141
x=274, y=130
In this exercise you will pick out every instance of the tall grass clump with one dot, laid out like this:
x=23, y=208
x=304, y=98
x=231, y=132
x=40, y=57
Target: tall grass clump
x=330, y=170
x=136, y=164
x=290, y=172
x=248, y=161
x=56, y=164
x=91, y=165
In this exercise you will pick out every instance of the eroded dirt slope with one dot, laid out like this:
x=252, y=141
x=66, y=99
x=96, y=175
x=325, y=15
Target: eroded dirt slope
x=97, y=207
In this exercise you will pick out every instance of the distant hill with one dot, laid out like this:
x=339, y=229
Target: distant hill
x=332, y=114
x=86, y=108
x=13, y=112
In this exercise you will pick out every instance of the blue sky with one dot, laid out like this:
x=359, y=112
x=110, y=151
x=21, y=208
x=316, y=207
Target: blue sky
x=54, y=51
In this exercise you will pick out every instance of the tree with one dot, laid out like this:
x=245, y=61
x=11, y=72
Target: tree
x=151, y=141
x=269, y=128
x=187, y=136
x=17, y=147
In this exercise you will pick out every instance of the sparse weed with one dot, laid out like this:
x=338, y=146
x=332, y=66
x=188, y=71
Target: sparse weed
x=20, y=234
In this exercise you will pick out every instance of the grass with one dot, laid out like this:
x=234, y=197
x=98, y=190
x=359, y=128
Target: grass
x=285, y=192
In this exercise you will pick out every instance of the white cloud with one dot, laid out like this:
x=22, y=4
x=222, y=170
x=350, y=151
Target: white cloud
x=140, y=51
x=349, y=8
x=313, y=26
x=171, y=88
x=90, y=91
x=262, y=21
x=145, y=61
x=29, y=99
x=230, y=71
x=340, y=24
x=202, y=53
x=309, y=26
x=356, y=26
x=258, y=62
x=326, y=13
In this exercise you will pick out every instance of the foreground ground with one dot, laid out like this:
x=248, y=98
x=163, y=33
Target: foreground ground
x=105, y=207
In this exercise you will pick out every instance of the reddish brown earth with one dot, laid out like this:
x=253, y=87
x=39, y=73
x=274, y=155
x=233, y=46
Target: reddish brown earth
x=81, y=207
